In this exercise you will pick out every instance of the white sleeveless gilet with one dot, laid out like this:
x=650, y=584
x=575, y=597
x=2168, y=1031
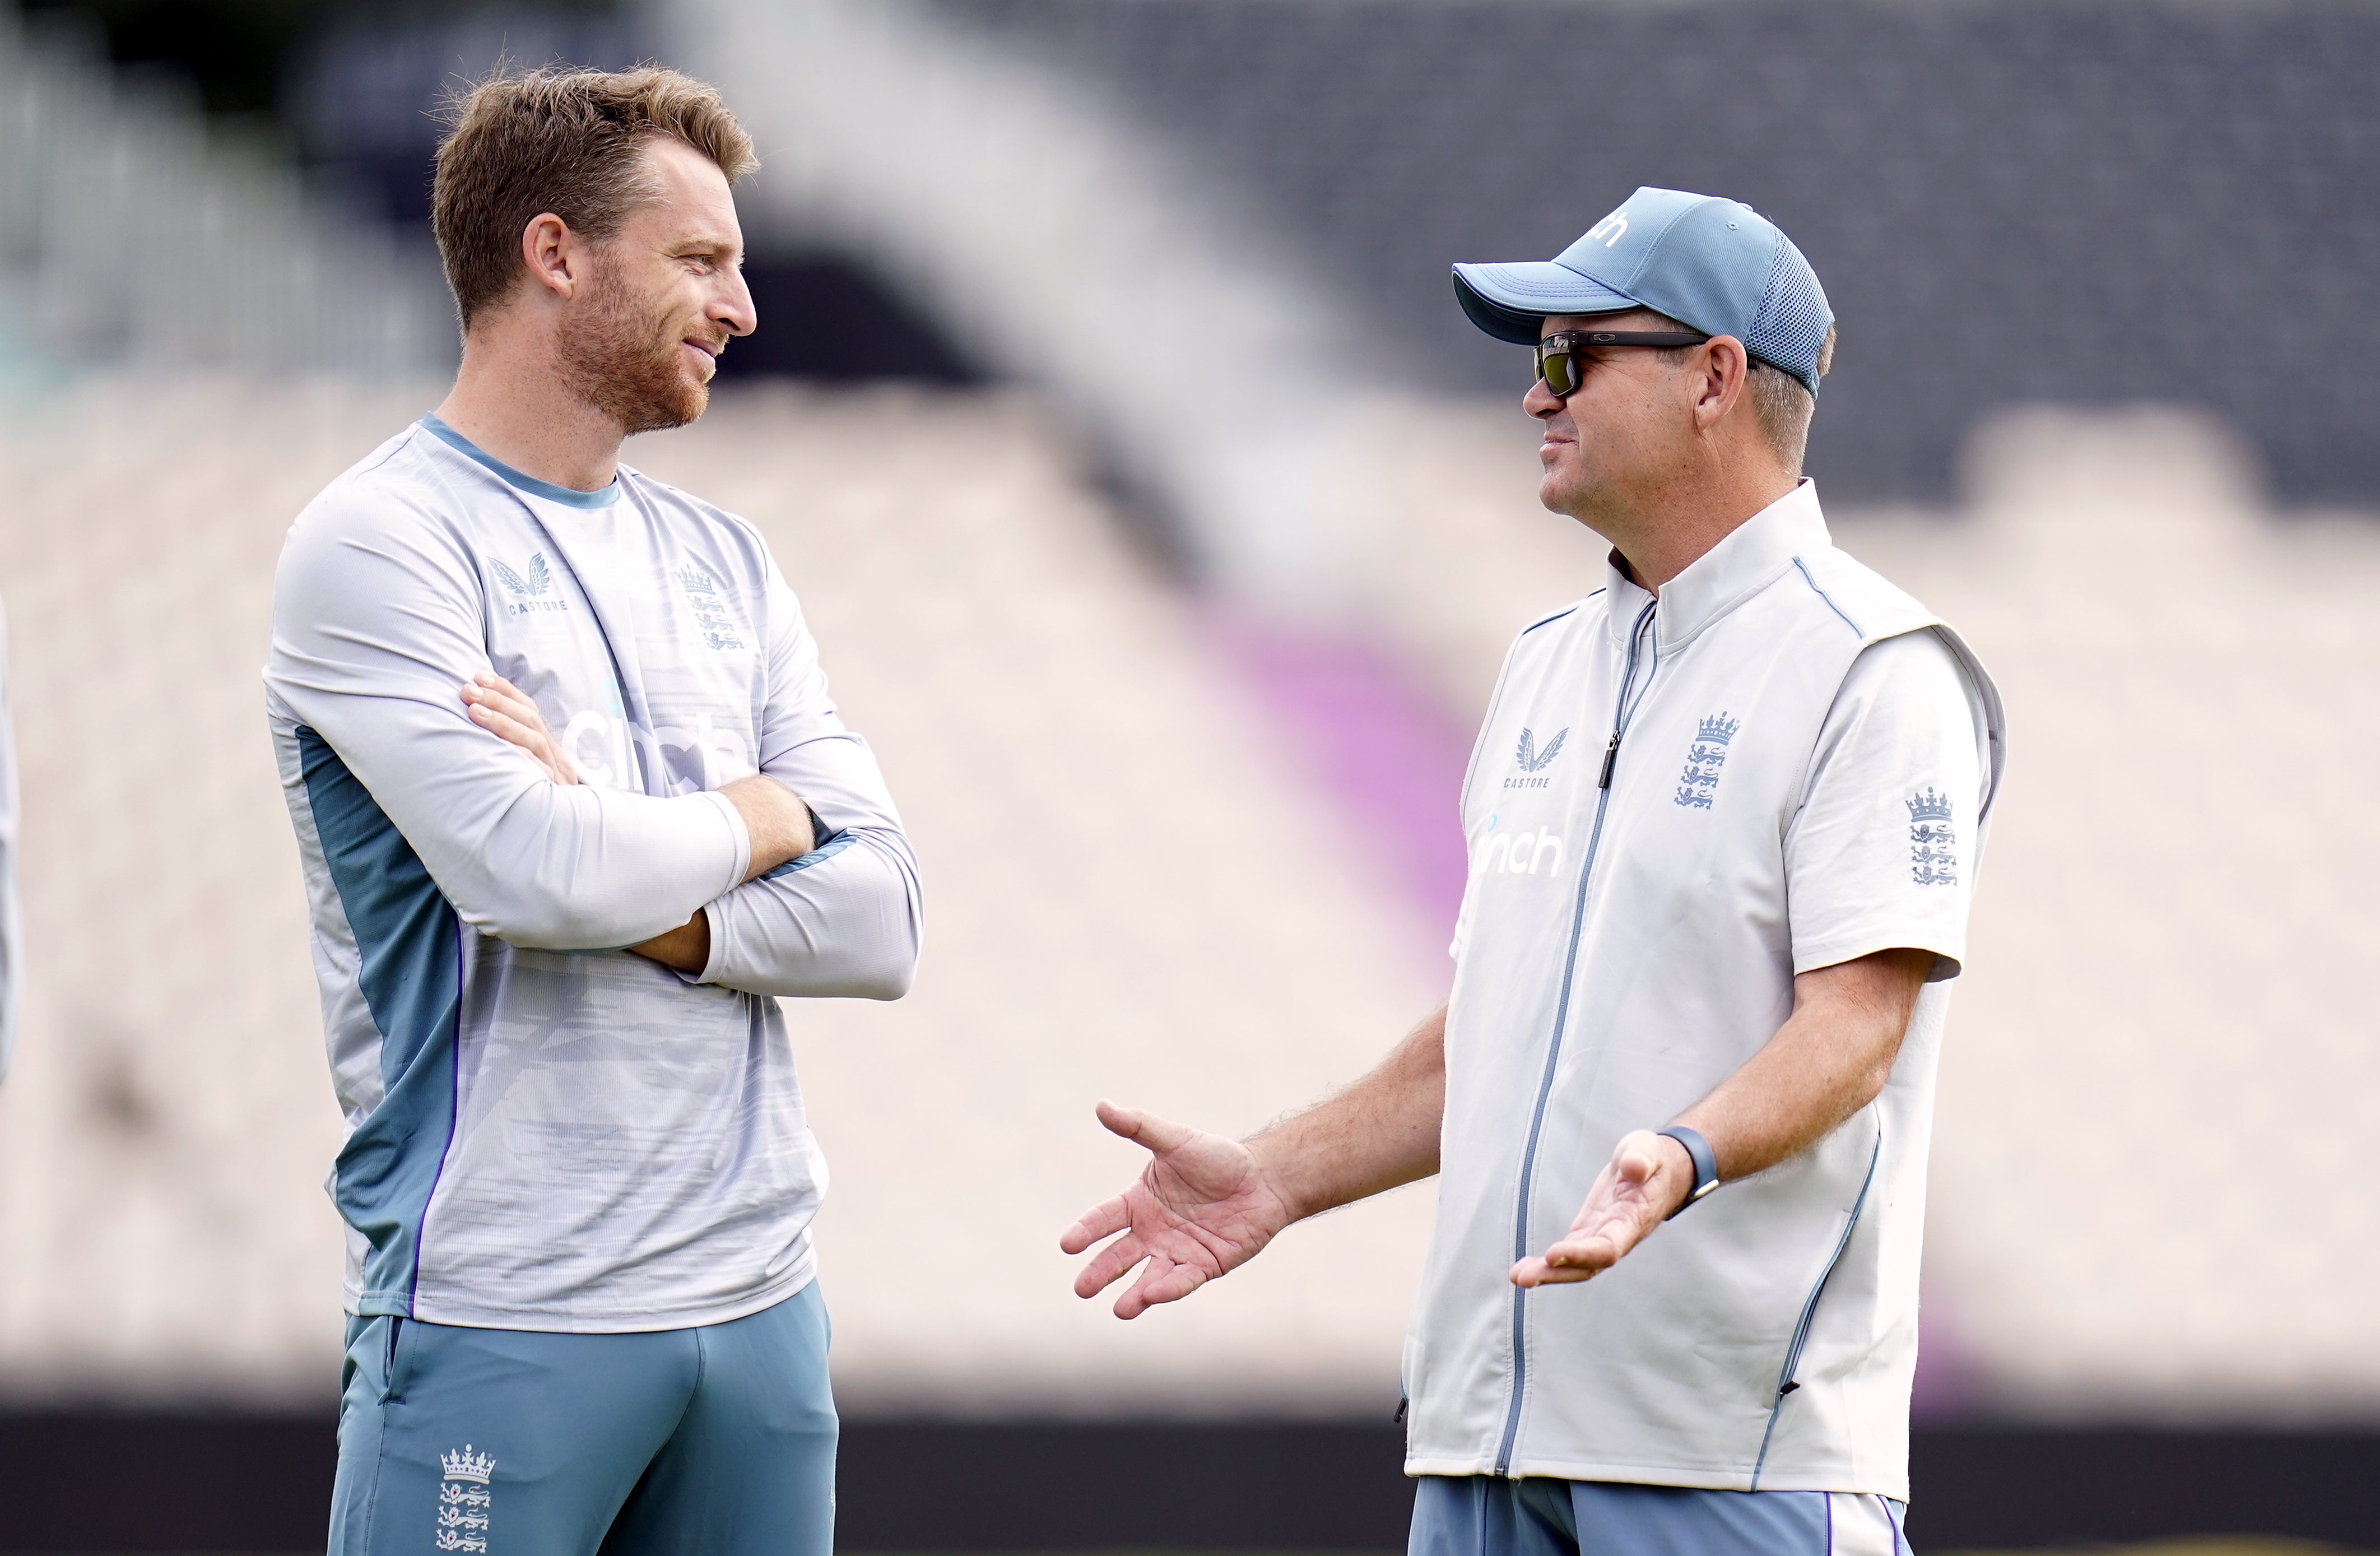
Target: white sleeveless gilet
x=1622, y=950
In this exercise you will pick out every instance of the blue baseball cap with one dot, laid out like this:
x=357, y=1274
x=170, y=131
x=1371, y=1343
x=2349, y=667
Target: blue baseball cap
x=1714, y=265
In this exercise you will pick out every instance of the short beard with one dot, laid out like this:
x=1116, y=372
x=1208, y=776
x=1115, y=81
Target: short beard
x=624, y=361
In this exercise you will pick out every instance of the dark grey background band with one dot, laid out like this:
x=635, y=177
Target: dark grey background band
x=1706, y=1161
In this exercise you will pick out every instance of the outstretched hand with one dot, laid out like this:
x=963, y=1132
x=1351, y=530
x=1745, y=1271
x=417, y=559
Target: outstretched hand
x=1202, y=1207
x=1648, y=1176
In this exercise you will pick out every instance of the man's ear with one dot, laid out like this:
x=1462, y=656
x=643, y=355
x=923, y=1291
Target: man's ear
x=1720, y=380
x=552, y=255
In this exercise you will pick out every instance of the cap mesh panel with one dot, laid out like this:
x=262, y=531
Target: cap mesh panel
x=1791, y=324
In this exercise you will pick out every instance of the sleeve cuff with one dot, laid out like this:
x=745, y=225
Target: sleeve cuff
x=711, y=967
x=1950, y=952
x=735, y=830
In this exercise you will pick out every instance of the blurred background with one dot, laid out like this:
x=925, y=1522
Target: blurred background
x=1163, y=523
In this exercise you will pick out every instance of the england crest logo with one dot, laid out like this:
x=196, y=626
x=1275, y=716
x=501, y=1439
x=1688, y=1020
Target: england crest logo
x=1932, y=844
x=464, y=1500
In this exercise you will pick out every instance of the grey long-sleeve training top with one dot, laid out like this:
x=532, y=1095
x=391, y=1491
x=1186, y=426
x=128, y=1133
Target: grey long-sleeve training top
x=544, y=1131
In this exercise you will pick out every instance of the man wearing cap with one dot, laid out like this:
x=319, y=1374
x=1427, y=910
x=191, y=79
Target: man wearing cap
x=1724, y=819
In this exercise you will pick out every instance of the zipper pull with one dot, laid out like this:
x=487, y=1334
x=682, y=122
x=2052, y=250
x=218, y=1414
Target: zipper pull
x=1399, y=1418
x=1610, y=755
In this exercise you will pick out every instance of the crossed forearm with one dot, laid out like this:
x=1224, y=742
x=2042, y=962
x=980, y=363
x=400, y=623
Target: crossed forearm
x=779, y=826
x=776, y=821
x=775, y=818
x=1379, y=1134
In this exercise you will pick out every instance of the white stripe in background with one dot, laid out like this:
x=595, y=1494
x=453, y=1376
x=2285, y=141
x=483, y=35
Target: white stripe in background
x=1059, y=238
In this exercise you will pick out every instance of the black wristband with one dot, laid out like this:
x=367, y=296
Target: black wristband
x=1705, y=1162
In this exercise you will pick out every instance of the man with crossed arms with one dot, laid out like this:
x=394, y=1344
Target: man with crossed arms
x=578, y=1177
x=1724, y=819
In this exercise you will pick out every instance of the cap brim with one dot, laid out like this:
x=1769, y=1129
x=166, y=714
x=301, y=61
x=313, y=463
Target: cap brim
x=1512, y=301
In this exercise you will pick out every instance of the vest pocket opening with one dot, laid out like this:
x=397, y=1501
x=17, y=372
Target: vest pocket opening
x=1786, y=1381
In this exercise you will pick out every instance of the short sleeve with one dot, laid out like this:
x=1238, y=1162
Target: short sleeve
x=1882, y=852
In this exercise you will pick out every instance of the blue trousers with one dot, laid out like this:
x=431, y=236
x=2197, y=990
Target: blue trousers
x=718, y=1440
x=1482, y=1516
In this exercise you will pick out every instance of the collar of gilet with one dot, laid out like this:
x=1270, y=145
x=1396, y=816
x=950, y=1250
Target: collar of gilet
x=1747, y=561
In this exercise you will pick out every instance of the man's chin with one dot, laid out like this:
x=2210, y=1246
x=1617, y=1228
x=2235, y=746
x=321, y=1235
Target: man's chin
x=681, y=409
x=695, y=396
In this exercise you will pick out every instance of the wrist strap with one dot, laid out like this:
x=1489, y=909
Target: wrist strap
x=1705, y=1162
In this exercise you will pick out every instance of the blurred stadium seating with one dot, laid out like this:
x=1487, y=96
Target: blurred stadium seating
x=2160, y=1087
x=2070, y=202
x=132, y=231
x=162, y=1137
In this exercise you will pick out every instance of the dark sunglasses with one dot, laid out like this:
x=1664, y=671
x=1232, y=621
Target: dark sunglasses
x=1558, y=354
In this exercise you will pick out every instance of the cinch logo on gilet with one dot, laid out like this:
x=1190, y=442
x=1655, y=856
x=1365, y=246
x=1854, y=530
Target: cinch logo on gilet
x=1519, y=853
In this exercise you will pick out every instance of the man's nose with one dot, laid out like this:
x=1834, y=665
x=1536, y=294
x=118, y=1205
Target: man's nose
x=736, y=310
x=1540, y=401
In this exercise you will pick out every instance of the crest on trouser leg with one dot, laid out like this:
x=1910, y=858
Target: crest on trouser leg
x=464, y=1500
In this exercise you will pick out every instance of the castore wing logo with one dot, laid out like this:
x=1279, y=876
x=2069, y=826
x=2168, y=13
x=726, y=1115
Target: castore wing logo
x=529, y=592
x=1534, y=760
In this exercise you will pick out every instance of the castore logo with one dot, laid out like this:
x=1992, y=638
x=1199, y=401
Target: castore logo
x=1533, y=760
x=529, y=592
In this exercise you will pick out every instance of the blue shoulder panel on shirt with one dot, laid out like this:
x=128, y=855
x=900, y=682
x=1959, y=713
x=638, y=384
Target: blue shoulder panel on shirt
x=409, y=946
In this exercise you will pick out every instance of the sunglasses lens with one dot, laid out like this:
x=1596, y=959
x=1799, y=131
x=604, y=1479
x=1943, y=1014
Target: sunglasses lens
x=1557, y=369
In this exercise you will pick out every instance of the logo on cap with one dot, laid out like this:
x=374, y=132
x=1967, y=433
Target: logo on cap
x=1618, y=224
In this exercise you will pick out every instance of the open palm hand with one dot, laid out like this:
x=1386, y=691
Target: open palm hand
x=1638, y=1189
x=1202, y=1207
